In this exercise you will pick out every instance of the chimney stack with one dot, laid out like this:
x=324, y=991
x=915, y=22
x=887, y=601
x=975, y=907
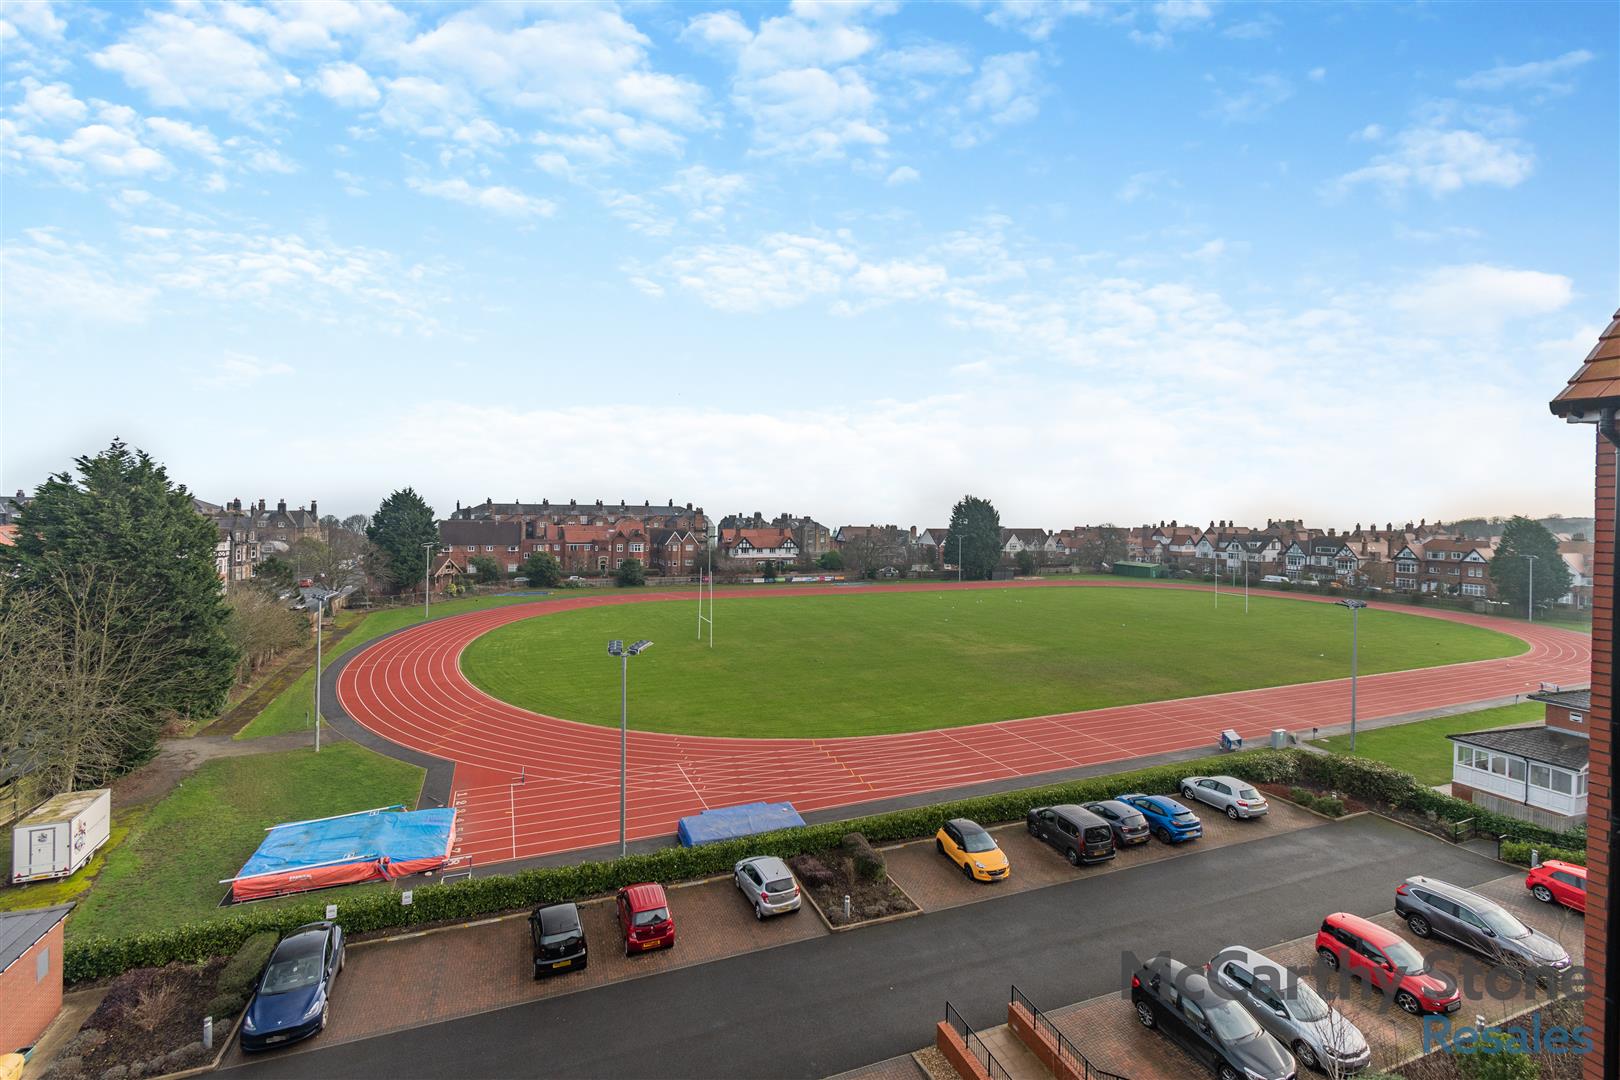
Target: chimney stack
x=281, y=506
x=261, y=506
x=312, y=511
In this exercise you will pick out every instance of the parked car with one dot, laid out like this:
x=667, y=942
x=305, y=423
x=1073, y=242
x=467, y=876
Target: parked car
x=292, y=999
x=1166, y=818
x=559, y=939
x=768, y=884
x=1382, y=959
x=1557, y=881
x=1291, y=1010
x=1215, y=1030
x=1235, y=798
x=1082, y=836
x=1431, y=907
x=1127, y=823
x=645, y=919
x=973, y=850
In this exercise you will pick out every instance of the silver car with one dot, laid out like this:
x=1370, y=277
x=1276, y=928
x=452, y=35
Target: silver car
x=1238, y=798
x=1287, y=1007
x=768, y=884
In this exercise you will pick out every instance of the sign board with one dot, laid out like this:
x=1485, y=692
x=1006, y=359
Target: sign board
x=331, y=911
x=405, y=898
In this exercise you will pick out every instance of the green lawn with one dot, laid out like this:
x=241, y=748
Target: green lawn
x=1421, y=748
x=168, y=870
x=291, y=709
x=823, y=666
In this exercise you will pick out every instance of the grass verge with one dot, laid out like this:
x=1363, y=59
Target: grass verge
x=1421, y=748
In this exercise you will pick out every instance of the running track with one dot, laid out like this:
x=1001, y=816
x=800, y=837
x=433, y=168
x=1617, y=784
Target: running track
x=408, y=688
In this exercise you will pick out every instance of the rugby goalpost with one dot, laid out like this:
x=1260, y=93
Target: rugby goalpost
x=706, y=578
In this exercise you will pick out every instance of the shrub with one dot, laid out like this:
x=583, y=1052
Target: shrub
x=236, y=979
x=869, y=865
x=1517, y=851
x=630, y=574
x=812, y=871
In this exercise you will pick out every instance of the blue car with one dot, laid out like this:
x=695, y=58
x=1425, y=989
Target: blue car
x=1166, y=818
x=291, y=1000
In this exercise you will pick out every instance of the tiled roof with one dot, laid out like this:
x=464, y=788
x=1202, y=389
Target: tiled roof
x=1535, y=743
x=757, y=538
x=1574, y=700
x=21, y=930
x=1597, y=383
x=500, y=533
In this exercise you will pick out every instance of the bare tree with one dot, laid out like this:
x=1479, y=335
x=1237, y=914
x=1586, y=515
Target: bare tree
x=262, y=627
x=869, y=550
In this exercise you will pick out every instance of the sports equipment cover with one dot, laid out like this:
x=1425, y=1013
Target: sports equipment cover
x=372, y=845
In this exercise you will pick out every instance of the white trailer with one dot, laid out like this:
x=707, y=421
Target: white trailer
x=60, y=835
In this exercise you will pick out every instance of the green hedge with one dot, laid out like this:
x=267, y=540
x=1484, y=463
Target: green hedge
x=1515, y=851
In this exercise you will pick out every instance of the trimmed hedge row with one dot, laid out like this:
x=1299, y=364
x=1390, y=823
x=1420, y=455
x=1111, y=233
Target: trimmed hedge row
x=1368, y=781
x=1515, y=851
x=97, y=958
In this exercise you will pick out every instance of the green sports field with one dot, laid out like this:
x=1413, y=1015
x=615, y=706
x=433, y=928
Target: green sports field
x=884, y=661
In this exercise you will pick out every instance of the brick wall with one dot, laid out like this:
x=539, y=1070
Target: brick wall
x=28, y=1003
x=1600, y=786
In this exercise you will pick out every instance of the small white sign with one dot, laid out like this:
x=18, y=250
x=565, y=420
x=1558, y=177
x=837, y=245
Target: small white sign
x=405, y=898
x=331, y=911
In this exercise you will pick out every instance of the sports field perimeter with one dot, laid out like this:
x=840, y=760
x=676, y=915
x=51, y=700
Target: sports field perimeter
x=892, y=661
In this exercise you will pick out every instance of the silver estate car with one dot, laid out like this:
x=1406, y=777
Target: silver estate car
x=1287, y=1007
x=1237, y=798
x=768, y=885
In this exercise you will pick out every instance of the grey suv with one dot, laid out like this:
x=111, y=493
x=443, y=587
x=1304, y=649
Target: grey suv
x=1287, y=1007
x=1437, y=908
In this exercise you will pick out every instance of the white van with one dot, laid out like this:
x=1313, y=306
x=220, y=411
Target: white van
x=1273, y=579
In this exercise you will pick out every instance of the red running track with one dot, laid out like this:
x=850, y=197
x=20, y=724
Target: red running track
x=409, y=689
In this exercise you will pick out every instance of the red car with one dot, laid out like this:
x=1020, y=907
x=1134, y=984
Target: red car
x=644, y=918
x=1383, y=959
x=1556, y=881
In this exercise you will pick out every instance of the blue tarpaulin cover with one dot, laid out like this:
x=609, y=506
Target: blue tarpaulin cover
x=727, y=822
x=370, y=845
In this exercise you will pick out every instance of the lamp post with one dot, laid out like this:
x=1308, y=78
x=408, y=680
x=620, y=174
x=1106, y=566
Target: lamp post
x=617, y=647
x=1355, y=607
x=321, y=596
x=427, y=576
x=1530, y=599
x=959, y=558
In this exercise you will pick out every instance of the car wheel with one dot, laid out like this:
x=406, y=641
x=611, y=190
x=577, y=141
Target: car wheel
x=1187, y=793
x=1231, y=812
x=1144, y=1013
x=967, y=871
x=326, y=1014
x=1542, y=893
x=1408, y=1003
x=1030, y=825
x=537, y=973
x=1073, y=856
x=1162, y=834
x=1329, y=957
x=1228, y=1073
x=343, y=958
x=1307, y=1056
x=939, y=845
x=759, y=912
x=1420, y=926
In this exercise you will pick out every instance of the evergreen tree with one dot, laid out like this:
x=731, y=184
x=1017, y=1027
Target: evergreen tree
x=1510, y=570
x=629, y=574
x=485, y=570
x=974, y=538
x=399, y=529
x=122, y=526
x=542, y=569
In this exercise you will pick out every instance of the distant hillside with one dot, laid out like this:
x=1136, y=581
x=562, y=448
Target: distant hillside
x=1486, y=528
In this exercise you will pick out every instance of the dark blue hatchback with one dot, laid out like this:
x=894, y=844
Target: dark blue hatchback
x=291, y=1001
x=1168, y=819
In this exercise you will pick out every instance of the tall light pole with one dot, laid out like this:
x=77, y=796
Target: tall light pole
x=321, y=596
x=1355, y=607
x=427, y=576
x=1530, y=600
x=959, y=558
x=616, y=647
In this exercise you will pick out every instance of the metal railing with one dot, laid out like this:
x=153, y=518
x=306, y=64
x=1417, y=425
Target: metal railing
x=975, y=1045
x=1067, y=1051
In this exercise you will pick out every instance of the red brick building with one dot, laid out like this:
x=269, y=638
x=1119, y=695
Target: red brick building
x=30, y=974
x=1593, y=397
x=585, y=538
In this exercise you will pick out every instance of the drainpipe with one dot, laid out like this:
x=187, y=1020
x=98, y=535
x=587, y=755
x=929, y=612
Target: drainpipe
x=1611, y=950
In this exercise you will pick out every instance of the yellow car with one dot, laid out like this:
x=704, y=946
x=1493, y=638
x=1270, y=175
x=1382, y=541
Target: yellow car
x=967, y=845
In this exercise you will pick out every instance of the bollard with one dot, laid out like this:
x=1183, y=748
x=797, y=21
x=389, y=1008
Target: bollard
x=208, y=1033
x=1535, y=856
x=846, y=907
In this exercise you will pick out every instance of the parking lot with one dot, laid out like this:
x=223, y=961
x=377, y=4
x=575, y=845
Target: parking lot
x=1105, y=1029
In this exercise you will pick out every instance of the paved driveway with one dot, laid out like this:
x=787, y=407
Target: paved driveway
x=832, y=1003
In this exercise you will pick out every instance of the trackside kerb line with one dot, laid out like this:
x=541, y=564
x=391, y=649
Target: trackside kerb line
x=408, y=688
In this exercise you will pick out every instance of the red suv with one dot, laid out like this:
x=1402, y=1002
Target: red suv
x=644, y=918
x=1557, y=881
x=1383, y=959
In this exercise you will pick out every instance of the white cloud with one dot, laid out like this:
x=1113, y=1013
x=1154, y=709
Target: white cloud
x=812, y=112
x=112, y=151
x=49, y=104
x=905, y=174
x=190, y=137
x=179, y=62
x=1256, y=97
x=44, y=275
x=1007, y=90
x=1037, y=19
x=1478, y=298
x=1143, y=184
x=424, y=106
x=36, y=18
x=1208, y=251
x=1553, y=76
x=1171, y=17
x=1441, y=160
x=347, y=84
x=1317, y=74
x=505, y=201
x=237, y=370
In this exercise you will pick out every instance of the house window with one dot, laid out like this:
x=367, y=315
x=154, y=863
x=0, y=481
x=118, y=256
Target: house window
x=1580, y=783
x=1499, y=764
x=42, y=963
x=1473, y=590
x=511, y=567
x=511, y=547
x=1515, y=768
x=1576, y=718
x=636, y=547
x=1563, y=782
x=489, y=547
x=1540, y=776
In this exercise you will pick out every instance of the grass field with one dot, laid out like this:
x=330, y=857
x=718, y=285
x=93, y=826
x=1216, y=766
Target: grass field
x=822, y=666
x=1421, y=748
x=291, y=709
x=168, y=870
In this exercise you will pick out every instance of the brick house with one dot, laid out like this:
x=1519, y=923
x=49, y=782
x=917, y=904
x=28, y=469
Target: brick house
x=30, y=974
x=1593, y=397
x=1443, y=564
x=594, y=538
x=462, y=541
x=1534, y=772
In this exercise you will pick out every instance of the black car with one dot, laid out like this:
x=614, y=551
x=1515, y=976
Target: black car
x=1213, y=1028
x=1129, y=826
x=1082, y=836
x=559, y=939
x=291, y=999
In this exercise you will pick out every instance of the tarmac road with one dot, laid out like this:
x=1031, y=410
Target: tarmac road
x=829, y=1004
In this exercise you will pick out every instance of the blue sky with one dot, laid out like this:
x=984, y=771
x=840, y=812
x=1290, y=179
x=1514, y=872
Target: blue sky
x=1093, y=261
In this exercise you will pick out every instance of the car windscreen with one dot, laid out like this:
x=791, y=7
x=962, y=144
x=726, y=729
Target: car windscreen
x=1097, y=834
x=650, y=916
x=1404, y=957
x=1303, y=1003
x=977, y=840
x=293, y=973
x=1503, y=923
x=1232, y=1023
x=779, y=885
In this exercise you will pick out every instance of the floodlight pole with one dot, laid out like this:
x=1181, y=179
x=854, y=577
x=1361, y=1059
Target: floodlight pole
x=320, y=617
x=1530, y=600
x=1355, y=607
x=1245, y=584
x=959, y=558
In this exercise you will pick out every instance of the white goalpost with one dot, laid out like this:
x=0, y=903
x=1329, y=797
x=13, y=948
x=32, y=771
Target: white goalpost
x=706, y=578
